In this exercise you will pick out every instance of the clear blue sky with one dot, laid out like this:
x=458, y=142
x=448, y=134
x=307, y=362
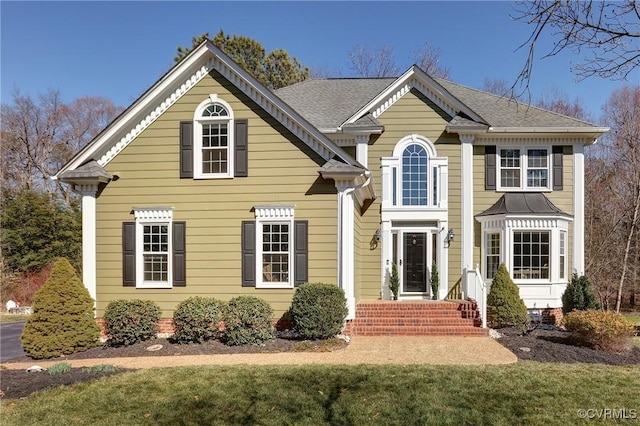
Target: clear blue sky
x=119, y=49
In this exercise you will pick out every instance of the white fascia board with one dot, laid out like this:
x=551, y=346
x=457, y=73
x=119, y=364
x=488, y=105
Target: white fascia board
x=173, y=85
x=429, y=83
x=587, y=132
x=137, y=110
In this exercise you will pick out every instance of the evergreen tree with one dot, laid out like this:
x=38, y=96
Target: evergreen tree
x=37, y=229
x=579, y=295
x=62, y=321
x=275, y=69
x=505, y=307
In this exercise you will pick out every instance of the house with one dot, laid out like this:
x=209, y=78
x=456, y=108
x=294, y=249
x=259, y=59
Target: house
x=211, y=184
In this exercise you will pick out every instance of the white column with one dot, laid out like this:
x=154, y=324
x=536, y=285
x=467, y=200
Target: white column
x=387, y=258
x=443, y=260
x=362, y=149
x=578, y=209
x=346, y=251
x=88, y=193
x=466, y=233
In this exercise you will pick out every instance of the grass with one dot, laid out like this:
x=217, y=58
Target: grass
x=59, y=368
x=633, y=318
x=521, y=393
x=13, y=317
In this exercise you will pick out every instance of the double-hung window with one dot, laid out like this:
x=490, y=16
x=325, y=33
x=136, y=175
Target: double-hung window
x=274, y=244
x=492, y=254
x=213, y=139
x=524, y=168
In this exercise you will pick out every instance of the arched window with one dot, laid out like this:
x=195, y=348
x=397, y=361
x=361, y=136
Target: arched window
x=213, y=139
x=414, y=176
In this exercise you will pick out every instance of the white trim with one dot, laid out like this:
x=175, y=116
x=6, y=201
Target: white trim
x=466, y=202
x=178, y=81
x=274, y=214
x=88, y=193
x=578, y=209
x=153, y=215
x=524, y=167
x=362, y=149
x=198, y=121
x=414, y=77
x=346, y=246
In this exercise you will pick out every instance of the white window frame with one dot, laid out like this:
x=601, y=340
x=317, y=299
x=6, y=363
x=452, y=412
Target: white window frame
x=198, y=121
x=524, y=168
x=550, y=256
x=270, y=215
x=485, y=244
x=155, y=216
x=562, y=254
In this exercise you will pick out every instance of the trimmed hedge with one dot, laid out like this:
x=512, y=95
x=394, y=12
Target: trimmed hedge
x=318, y=310
x=131, y=321
x=604, y=330
x=247, y=321
x=62, y=322
x=197, y=319
x=504, y=305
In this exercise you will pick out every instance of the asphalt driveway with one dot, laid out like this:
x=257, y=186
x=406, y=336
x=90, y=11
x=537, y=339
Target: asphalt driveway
x=10, y=340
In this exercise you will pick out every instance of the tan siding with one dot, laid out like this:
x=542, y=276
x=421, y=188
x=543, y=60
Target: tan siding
x=282, y=170
x=484, y=199
x=412, y=114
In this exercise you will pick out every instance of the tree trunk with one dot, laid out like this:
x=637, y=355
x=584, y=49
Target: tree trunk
x=627, y=249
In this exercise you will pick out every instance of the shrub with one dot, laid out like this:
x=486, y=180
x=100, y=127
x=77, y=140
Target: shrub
x=318, y=310
x=394, y=281
x=131, y=321
x=579, y=295
x=604, y=330
x=504, y=305
x=62, y=322
x=247, y=321
x=197, y=319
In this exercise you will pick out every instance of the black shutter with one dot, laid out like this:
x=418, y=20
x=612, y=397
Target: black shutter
x=301, y=252
x=179, y=251
x=186, y=149
x=129, y=254
x=241, y=155
x=248, y=254
x=557, y=168
x=489, y=167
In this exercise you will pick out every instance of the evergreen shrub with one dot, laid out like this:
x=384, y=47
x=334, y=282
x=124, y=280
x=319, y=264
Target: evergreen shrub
x=504, y=305
x=62, y=321
x=247, y=321
x=197, y=319
x=131, y=321
x=604, y=330
x=579, y=295
x=318, y=310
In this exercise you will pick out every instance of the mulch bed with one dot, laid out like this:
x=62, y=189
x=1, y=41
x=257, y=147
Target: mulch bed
x=543, y=344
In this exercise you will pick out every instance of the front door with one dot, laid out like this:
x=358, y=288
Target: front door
x=414, y=253
x=414, y=263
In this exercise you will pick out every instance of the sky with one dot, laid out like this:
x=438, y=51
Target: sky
x=119, y=49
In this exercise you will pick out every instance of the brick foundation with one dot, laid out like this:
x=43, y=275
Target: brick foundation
x=552, y=316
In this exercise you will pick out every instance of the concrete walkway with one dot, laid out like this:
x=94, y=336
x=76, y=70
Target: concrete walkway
x=401, y=350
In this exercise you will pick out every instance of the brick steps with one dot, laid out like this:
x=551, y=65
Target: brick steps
x=416, y=318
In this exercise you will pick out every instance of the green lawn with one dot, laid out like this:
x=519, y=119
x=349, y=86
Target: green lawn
x=13, y=317
x=522, y=393
x=633, y=318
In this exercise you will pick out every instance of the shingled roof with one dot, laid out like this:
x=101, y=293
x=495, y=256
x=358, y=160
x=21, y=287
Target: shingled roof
x=328, y=103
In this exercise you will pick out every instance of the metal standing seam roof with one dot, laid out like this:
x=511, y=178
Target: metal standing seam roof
x=525, y=203
x=327, y=103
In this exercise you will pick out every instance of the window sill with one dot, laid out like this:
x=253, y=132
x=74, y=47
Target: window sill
x=274, y=285
x=211, y=177
x=154, y=285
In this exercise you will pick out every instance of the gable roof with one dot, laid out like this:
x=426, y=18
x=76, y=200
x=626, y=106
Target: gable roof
x=178, y=81
x=332, y=104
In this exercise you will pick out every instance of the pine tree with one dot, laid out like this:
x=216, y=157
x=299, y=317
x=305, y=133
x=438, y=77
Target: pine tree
x=62, y=321
x=505, y=307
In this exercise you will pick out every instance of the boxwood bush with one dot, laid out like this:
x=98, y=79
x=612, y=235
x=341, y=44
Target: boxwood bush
x=604, y=330
x=131, y=321
x=247, y=321
x=318, y=310
x=62, y=322
x=504, y=305
x=197, y=319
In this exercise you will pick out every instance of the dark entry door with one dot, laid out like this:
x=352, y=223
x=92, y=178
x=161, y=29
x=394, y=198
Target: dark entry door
x=415, y=265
